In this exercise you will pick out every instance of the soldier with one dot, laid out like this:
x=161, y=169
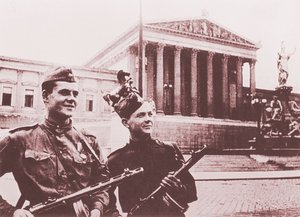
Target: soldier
x=53, y=159
x=157, y=158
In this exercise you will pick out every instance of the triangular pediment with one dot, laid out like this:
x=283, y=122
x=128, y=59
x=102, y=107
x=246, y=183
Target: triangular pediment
x=203, y=28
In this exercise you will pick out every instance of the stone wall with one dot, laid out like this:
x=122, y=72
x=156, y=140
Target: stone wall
x=188, y=132
x=192, y=132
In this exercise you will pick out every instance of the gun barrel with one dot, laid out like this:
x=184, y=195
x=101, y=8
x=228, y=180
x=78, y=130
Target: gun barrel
x=100, y=186
x=195, y=157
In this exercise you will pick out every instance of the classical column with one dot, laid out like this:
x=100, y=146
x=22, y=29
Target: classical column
x=239, y=85
x=194, y=102
x=225, y=87
x=40, y=102
x=150, y=73
x=210, y=85
x=101, y=101
x=159, y=78
x=132, y=65
x=81, y=99
x=144, y=73
x=252, y=77
x=19, y=99
x=97, y=100
x=177, y=81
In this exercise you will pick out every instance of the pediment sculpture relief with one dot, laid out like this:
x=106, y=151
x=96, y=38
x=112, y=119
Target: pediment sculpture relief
x=202, y=27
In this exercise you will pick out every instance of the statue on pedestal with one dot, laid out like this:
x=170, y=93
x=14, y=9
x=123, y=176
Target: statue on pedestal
x=281, y=117
x=276, y=107
x=282, y=65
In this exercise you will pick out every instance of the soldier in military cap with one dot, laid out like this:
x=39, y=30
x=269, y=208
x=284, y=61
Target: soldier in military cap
x=53, y=159
x=157, y=158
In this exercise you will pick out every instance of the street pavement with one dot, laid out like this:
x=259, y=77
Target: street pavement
x=261, y=186
x=221, y=194
x=276, y=197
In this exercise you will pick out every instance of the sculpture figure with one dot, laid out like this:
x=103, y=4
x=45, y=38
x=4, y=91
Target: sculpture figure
x=282, y=65
x=276, y=107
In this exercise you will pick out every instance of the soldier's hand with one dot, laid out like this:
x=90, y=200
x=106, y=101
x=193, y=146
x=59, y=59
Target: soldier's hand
x=22, y=213
x=95, y=213
x=172, y=184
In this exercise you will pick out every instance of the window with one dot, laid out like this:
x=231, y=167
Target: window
x=29, y=98
x=6, y=96
x=89, y=103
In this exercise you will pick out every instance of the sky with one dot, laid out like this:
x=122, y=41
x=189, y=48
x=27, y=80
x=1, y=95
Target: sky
x=71, y=32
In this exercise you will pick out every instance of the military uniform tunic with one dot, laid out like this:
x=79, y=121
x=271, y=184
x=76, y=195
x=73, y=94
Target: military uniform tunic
x=51, y=161
x=157, y=159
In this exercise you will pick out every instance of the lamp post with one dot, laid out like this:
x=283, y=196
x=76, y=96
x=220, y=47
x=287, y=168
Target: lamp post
x=247, y=104
x=259, y=105
x=167, y=89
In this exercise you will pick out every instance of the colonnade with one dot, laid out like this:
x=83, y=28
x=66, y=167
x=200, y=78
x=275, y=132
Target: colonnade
x=192, y=82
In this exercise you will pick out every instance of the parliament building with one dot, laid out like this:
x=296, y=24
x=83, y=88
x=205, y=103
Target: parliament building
x=193, y=69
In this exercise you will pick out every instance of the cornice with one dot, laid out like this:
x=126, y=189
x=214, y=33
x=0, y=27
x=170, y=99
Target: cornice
x=8, y=81
x=31, y=84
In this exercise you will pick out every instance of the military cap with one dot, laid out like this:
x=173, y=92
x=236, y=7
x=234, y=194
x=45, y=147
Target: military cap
x=125, y=99
x=60, y=74
x=128, y=105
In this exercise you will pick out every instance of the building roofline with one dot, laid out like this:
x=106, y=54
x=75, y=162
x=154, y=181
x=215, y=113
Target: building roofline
x=112, y=44
x=33, y=62
x=49, y=64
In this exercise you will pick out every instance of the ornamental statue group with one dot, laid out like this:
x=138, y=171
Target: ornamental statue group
x=282, y=114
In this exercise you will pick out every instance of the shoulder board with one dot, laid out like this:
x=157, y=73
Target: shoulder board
x=87, y=133
x=29, y=127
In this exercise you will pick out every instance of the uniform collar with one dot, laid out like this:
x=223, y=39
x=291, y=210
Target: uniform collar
x=139, y=143
x=58, y=128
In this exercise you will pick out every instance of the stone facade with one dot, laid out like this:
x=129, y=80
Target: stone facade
x=191, y=67
x=20, y=88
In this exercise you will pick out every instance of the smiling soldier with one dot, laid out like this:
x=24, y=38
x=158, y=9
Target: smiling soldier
x=53, y=159
x=157, y=158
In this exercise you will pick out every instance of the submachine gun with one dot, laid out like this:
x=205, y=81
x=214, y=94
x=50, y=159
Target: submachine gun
x=75, y=198
x=160, y=192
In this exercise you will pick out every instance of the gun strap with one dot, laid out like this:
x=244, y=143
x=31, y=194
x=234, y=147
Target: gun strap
x=20, y=202
x=87, y=145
